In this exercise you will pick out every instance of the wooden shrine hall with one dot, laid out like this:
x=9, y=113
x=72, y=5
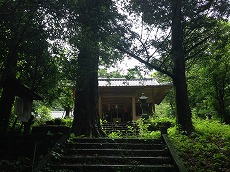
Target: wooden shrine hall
x=119, y=97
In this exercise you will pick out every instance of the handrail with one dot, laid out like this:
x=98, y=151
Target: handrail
x=49, y=155
x=34, y=155
x=180, y=165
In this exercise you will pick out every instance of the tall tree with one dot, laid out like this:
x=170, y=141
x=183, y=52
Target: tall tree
x=16, y=26
x=184, y=116
x=211, y=78
x=96, y=24
x=180, y=27
x=25, y=27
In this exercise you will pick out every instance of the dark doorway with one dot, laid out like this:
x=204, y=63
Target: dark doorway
x=117, y=112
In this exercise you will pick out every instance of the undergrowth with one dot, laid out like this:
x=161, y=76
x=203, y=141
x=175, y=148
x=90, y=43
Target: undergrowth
x=147, y=128
x=207, y=149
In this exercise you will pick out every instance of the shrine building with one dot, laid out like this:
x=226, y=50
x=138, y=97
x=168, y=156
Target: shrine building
x=119, y=97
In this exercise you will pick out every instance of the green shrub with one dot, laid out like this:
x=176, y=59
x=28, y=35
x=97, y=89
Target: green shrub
x=150, y=128
x=68, y=122
x=115, y=135
x=43, y=114
x=62, y=121
x=207, y=149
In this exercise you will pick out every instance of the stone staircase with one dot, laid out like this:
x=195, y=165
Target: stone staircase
x=113, y=155
x=125, y=128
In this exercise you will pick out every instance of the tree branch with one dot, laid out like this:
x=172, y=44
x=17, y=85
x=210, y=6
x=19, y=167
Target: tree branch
x=197, y=44
x=144, y=62
x=195, y=54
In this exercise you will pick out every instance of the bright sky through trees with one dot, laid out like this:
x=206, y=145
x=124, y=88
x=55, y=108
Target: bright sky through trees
x=145, y=33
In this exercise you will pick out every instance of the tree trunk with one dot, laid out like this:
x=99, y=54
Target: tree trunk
x=67, y=111
x=219, y=84
x=6, y=103
x=7, y=97
x=226, y=118
x=179, y=79
x=86, y=117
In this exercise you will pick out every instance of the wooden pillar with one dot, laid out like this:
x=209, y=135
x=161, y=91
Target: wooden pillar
x=153, y=102
x=100, y=107
x=153, y=108
x=133, y=108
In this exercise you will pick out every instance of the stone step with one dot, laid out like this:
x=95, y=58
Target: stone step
x=118, y=126
x=117, y=152
x=120, y=130
x=118, y=140
x=119, y=123
x=113, y=160
x=115, y=128
x=114, y=155
x=116, y=168
x=114, y=125
x=122, y=125
x=142, y=146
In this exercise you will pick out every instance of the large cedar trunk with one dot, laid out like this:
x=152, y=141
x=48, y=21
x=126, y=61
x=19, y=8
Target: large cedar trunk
x=226, y=117
x=224, y=113
x=221, y=108
x=184, y=116
x=86, y=117
x=67, y=111
x=179, y=80
x=6, y=103
x=7, y=97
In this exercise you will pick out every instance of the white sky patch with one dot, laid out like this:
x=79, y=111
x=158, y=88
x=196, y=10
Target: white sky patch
x=129, y=63
x=144, y=34
x=124, y=65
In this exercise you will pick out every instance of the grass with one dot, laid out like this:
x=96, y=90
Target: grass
x=207, y=149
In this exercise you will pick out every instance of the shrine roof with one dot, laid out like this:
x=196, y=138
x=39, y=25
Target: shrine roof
x=19, y=89
x=122, y=82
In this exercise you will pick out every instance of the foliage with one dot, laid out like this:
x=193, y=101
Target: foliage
x=115, y=135
x=66, y=97
x=22, y=164
x=27, y=28
x=152, y=45
x=94, y=20
x=170, y=34
x=68, y=122
x=207, y=149
x=103, y=73
x=63, y=121
x=67, y=65
x=42, y=114
x=209, y=76
x=150, y=128
x=166, y=108
x=132, y=73
x=32, y=33
x=24, y=36
x=159, y=122
x=147, y=128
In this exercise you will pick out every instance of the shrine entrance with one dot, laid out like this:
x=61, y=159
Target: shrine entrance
x=117, y=112
x=119, y=98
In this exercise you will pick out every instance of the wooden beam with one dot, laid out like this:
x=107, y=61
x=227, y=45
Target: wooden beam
x=133, y=108
x=100, y=107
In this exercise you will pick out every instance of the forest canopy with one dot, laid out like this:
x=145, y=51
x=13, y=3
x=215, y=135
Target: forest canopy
x=53, y=46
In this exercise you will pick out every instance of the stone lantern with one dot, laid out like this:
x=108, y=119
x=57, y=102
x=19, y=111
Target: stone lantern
x=144, y=106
